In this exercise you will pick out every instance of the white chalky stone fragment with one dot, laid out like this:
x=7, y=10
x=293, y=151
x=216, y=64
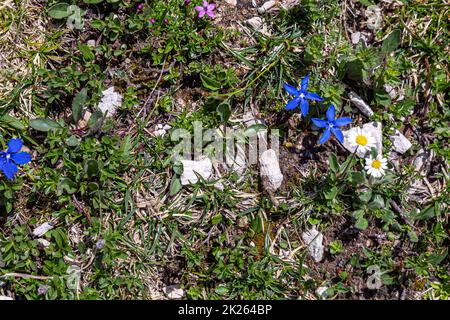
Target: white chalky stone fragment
x=110, y=101
x=42, y=229
x=270, y=169
x=266, y=6
x=314, y=240
x=173, y=292
x=360, y=104
x=190, y=168
x=400, y=143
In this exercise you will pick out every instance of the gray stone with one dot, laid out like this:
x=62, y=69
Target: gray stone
x=270, y=170
x=314, y=240
x=191, y=168
x=400, y=143
x=173, y=291
x=359, y=103
x=42, y=229
x=266, y=6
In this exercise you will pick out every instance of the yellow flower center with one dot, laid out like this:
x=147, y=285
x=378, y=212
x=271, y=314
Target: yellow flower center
x=376, y=164
x=361, y=140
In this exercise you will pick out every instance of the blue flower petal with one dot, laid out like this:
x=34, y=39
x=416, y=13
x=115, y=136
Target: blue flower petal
x=9, y=169
x=319, y=122
x=313, y=96
x=331, y=113
x=343, y=121
x=339, y=135
x=14, y=145
x=293, y=103
x=325, y=136
x=291, y=90
x=304, y=83
x=304, y=106
x=21, y=158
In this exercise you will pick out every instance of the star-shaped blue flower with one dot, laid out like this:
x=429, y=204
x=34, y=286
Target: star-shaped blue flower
x=301, y=96
x=10, y=159
x=331, y=125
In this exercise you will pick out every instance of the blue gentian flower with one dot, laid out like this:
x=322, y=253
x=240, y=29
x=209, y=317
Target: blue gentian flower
x=331, y=125
x=10, y=159
x=301, y=96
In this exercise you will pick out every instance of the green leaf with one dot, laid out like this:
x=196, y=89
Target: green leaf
x=210, y=83
x=365, y=196
x=44, y=124
x=92, y=1
x=78, y=104
x=224, y=110
x=72, y=141
x=96, y=120
x=9, y=121
x=354, y=70
x=86, y=50
x=425, y=214
x=356, y=178
x=331, y=194
x=59, y=11
x=175, y=186
x=216, y=219
x=361, y=223
x=392, y=41
x=377, y=203
x=91, y=167
x=333, y=163
x=253, y=129
x=413, y=236
x=221, y=290
x=67, y=185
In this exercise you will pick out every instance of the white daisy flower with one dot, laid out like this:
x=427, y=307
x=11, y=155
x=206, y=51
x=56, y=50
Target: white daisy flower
x=361, y=139
x=375, y=167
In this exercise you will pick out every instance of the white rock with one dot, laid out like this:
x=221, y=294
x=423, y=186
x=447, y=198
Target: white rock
x=42, y=229
x=374, y=129
x=270, y=169
x=422, y=161
x=321, y=292
x=356, y=36
x=173, y=292
x=400, y=143
x=159, y=132
x=239, y=163
x=266, y=6
x=219, y=185
x=43, y=242
x=5, y=298
x=314, y=240
x=374, y=17
x=231, y=2
x=289, y=4
x=255, y=22
x=191, y=167
x=360, y=104
x=110, y=101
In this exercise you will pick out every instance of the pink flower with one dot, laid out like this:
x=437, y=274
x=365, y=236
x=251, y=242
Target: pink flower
x=207, y=8
x=140, y=6
x=152, y=20
x=186, y=2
